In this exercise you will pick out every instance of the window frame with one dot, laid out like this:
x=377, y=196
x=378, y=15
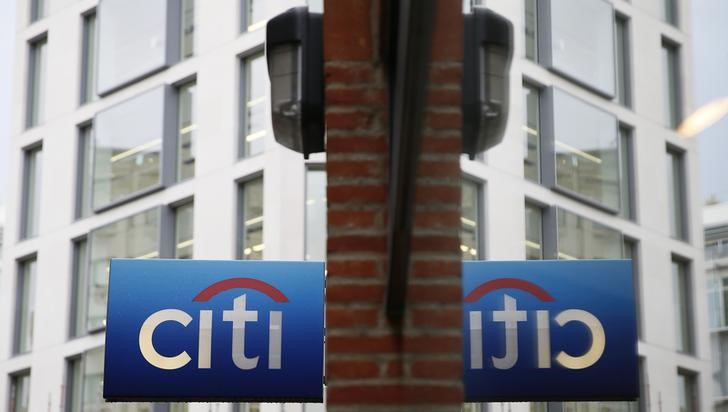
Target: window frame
x=182, y=20
x=21, y=265
x=680, y=219
x=240, y=214
x=538, y=89
x=173, y=211
x=686, y=292
x=187, y=82
x=627, y=172
x=84, y=170
x=87, y=91
x=672, y=67
x=623, y=55
x=79, y=285
x=693, y=381
x=480, y=236
x=30, y=211
x=313, y=167
x=14, y=376
x=535, y=205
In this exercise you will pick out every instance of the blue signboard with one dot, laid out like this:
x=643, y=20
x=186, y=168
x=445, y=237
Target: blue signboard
x=214, y=330
x=549, y=330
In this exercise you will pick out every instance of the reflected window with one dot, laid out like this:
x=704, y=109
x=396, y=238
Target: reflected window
x=136, y=236
x=682, y=296
x=184, y=231
x=186, y=126
x=127, y=148
x=35, y=111
x=254, y=104
x=581, y=238
x=88, y=58
x=534, y=232
x=531, y=138
x=315, y=214
x=30, y=212
x=676, y=194
x=250, y=241
x=469, y=220
x=586, y=150
x=25, y=306
x=20, y=392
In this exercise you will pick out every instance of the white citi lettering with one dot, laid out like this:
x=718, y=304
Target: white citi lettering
x=146, y=346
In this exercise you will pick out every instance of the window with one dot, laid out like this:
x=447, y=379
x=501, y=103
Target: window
x=84, y=386
x=187, y=36
x=534, y=232
x=626, y=168
x=25, y=306
x=184, y=230
x=133, y=45
x=718, y=298
x=631, y=251
x=128, y=143
x=687, y=391
x=136, y=236
x=37, y=10
x=531, y=127
x=253, y=15
x=531, y=28
x=470, y=220
x=35, y=113
x=622, y=60
x=186, y=130
x=88, y=58
x=254, y=105
x=585, y=150
x=671, y=84
x=84, y=168
x=600, y=407
x=682, y=296
x=250, y=239
x=578, y=48
x=20, y=392
x=78, y=288
x=670, y=13
x=676, y=194
x=315, y=214
x=581, y=238
x=30, y=211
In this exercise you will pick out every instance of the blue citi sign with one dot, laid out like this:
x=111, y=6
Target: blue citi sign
x=549, y=330
x=214, y=330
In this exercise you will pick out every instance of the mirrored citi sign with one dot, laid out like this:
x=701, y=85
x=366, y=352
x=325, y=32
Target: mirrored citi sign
x=214, y=330
x=549, y=330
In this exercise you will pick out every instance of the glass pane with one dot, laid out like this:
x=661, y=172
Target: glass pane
x=586, y=150
x=315, y=215
x=26, y=306
x=134, y=237
x=671, y=85
x=187, y=36
x=534, y=232
x=469, y=222
x=93, y=381
x=630, y=252
x=88, y=68
x=31, y=192
x=625, y=173
x=20, y=393
x=581, y=238
x=600, y=407
x=184, y=229
x=85, y=168
x=531, y=25
x=622, y=61
x=186, y=135
x=127, y=147
x=255, y=101
x=531, y=127
x=37, y=10
x=682, y=290
x=252, y=224
x=36, y=87
x=670, y=11
x=676, y=194
x=80, y=283
x=686, y=393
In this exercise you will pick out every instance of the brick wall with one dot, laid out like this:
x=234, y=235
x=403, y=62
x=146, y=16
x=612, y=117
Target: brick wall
x=372, y=364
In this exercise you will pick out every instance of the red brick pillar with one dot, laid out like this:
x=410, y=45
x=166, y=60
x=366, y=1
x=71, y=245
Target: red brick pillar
x=371, y=363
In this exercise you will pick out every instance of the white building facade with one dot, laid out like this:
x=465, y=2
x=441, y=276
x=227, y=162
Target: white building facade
x=147, y=134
